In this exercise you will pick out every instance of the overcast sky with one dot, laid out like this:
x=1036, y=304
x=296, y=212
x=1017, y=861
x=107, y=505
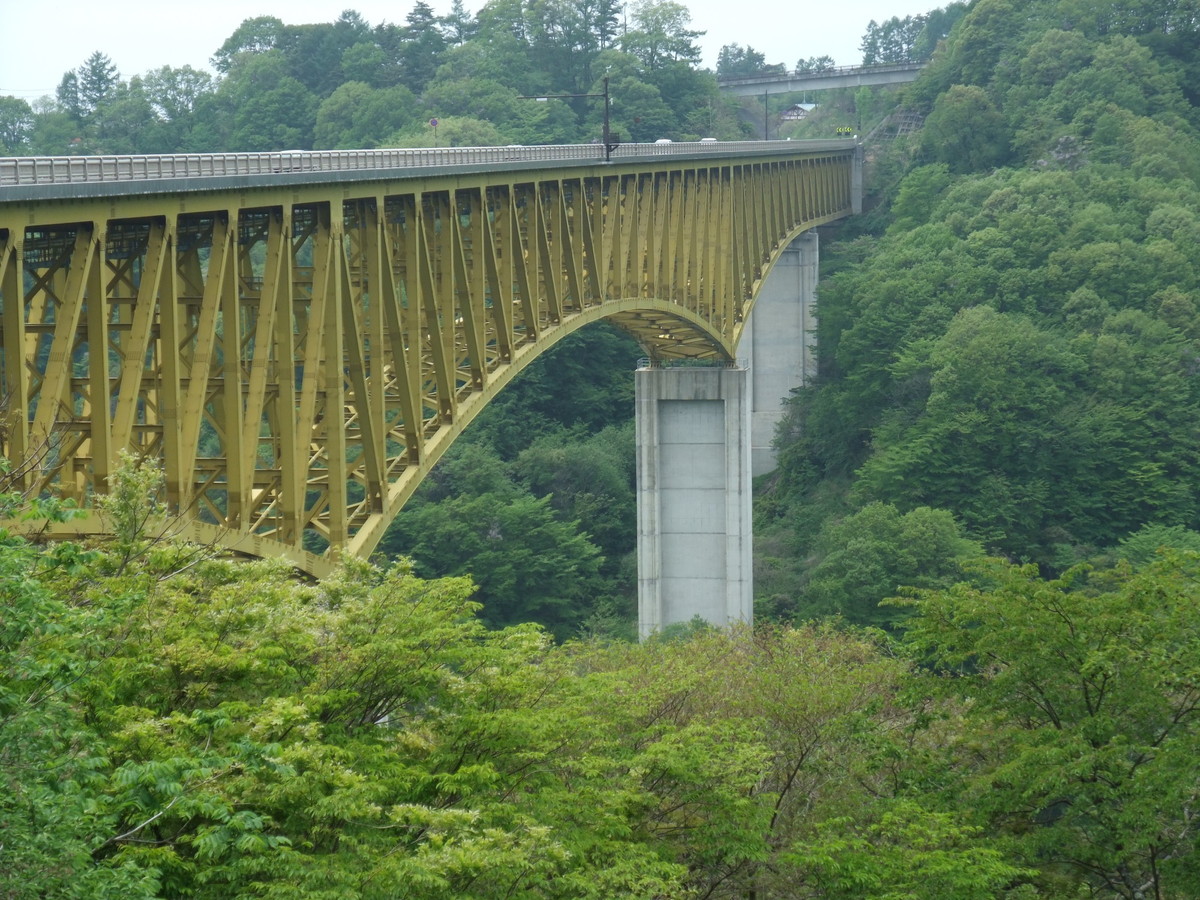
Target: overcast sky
x=44, y=40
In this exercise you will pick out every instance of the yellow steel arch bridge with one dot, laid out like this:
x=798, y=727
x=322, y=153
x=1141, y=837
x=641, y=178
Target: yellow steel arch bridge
x=297, y=337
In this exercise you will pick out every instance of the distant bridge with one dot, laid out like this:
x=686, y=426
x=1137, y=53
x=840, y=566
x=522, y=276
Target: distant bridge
x=827, y=79
x=298, y=337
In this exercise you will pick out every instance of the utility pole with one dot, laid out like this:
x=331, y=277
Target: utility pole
x=611, y=141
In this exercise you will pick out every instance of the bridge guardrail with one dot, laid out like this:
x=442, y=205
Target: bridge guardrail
x=831, y=72
x=47, y=170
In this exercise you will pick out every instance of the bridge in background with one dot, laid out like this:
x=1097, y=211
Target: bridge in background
x=298, y=337
x=827, y=79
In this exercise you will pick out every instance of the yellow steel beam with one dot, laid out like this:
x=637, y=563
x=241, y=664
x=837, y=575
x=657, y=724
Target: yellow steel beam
x=300, y=356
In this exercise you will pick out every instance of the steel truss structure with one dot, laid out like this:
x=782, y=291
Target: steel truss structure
x=299, y=351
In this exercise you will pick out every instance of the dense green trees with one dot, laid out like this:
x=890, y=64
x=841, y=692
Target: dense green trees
x=1012, y=346
x=530, y=566
x=1010, y=338
x=16, y=125
x=734, y=61
x=661, y=34
x=536, y=500
x=347, y=84
x=965, y=131
x=1087, y=694
x=911, y=39
x=176, y=725
x=867, y=557
x=355, y=116
x=191, y=727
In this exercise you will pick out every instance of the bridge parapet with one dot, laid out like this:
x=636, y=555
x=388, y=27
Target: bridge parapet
x=826, y=79
x=31, y=178
x=299, y=347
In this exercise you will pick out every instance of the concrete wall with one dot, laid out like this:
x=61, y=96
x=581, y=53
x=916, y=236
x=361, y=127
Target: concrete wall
x=694, y=502
x=780, y=345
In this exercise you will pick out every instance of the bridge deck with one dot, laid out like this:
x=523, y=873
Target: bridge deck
x=825, y=80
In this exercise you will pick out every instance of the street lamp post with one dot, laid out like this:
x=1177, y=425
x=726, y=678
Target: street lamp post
x=611, y=141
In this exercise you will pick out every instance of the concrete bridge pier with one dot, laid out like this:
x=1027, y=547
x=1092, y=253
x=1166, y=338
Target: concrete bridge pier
x=693, y=497
x=702, y=432
x=780, y=349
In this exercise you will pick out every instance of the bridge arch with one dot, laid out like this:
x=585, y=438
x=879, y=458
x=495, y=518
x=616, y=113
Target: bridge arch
x=300, y=346
x=634, y=316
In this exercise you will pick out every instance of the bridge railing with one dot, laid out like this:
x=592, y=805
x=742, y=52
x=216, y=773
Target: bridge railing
x=38, y=170
x=831, y=72
x=72, y=169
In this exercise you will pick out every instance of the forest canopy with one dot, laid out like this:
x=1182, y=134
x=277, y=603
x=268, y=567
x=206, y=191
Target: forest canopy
x=1010, y=336
x=349, y=84
x=177, y=725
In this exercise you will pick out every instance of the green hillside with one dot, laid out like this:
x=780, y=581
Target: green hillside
x=1010, y=337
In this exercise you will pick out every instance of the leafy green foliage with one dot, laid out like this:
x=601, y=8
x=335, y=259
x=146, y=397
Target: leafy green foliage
x=984, y=441
x=51, y=761
x=660, y=34
x=357, y=116
x=1084, y=696
x=965, y=131
x=345, y=85
x=907, y=853
x=590, y=481
x=876, y=552
x=911, y=39
x=226, y=730
x=735, y=61
x=536, y=500
x=1016, y=345
x=16, y=125
x=1141, y=547
x=529, y=565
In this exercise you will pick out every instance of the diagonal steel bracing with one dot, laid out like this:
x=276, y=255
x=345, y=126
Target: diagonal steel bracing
x=299, y=355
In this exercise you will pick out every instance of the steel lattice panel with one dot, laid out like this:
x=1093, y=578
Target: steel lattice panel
x=298, y=356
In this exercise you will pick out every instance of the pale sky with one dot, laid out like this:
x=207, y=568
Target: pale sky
x=43, y=41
